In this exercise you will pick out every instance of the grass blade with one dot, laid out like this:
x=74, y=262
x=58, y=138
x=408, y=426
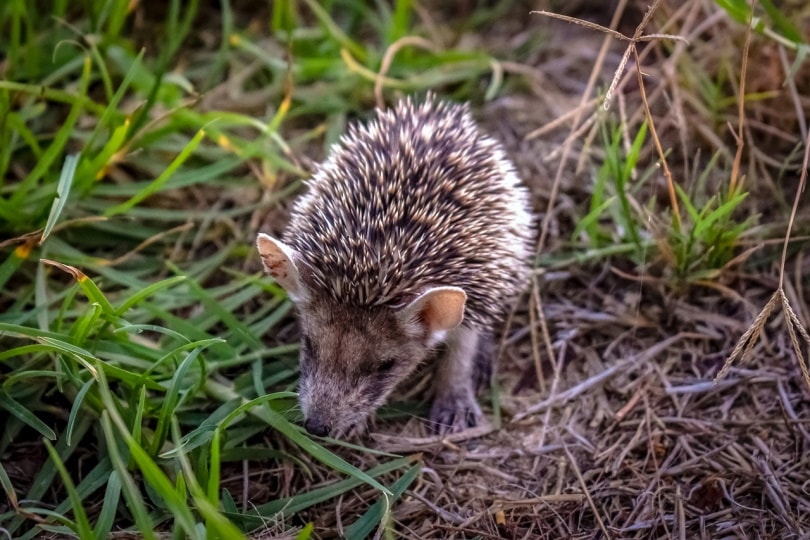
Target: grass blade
x=62, y=193
x=8, y=487
x=152, y=474
x=88, y=286
x=160, y=181
x=58, y=145
x=75, y=408
x=148, y=291
x=172, y=400
x=131, y=492
x=217, y=525
x=19, y=410
x=83, y=527
x=294, y=504
x=335, y=31
x=109, y=508
x=380, y=512
x=13, y=262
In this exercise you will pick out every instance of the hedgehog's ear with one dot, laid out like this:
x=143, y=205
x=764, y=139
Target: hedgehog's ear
x=279, y=261
x=439, y=309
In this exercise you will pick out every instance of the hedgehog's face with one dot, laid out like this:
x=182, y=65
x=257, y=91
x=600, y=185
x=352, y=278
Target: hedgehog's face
x=351, y=360
x=351, y=357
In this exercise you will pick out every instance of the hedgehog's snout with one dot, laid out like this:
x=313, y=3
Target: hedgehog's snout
x=331, y=405
x=334, y=422
x=316, y=425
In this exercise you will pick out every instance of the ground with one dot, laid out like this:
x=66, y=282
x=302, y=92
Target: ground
x=624, y=434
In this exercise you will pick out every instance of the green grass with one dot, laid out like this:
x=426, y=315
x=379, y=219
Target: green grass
x=768, y=19
x=130, y=333
x=611, y=218
x=695, y=248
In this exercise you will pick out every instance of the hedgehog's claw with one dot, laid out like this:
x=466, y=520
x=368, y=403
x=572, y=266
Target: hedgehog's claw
x=455, y=412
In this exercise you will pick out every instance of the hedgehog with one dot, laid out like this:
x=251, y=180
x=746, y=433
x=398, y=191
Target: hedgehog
x=414, y=235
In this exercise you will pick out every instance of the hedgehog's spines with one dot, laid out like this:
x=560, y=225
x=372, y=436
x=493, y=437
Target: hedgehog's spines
x=416, y=197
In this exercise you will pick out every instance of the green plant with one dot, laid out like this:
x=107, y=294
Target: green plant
x=695, y=249
x=612, y=218
x=130, y=334
x=780, y=29
x=709, y=239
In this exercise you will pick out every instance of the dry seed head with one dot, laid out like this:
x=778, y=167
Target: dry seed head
x=417, y=197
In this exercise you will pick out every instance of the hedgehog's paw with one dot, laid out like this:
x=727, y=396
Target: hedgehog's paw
x=454, y=412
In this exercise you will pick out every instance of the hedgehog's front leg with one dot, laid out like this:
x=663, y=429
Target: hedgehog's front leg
x=454, y=405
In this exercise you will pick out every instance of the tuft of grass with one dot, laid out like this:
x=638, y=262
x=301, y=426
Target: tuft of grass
x=709, y=239
x=697, y=249
x=612, y=218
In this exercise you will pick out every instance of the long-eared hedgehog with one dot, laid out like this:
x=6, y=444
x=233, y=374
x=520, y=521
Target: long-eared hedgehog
x=415, y=231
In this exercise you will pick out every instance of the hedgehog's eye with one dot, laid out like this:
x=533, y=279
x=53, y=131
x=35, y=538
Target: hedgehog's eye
x=386, y=365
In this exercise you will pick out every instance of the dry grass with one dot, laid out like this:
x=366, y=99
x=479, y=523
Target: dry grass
x=621, y=433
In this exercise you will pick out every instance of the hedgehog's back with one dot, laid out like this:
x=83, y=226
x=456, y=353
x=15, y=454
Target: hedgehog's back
x=417, y=197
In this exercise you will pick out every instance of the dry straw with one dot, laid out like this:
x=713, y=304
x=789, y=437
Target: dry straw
x=795, y=329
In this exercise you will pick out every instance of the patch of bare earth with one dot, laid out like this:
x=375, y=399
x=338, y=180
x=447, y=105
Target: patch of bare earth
x=622, y=433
